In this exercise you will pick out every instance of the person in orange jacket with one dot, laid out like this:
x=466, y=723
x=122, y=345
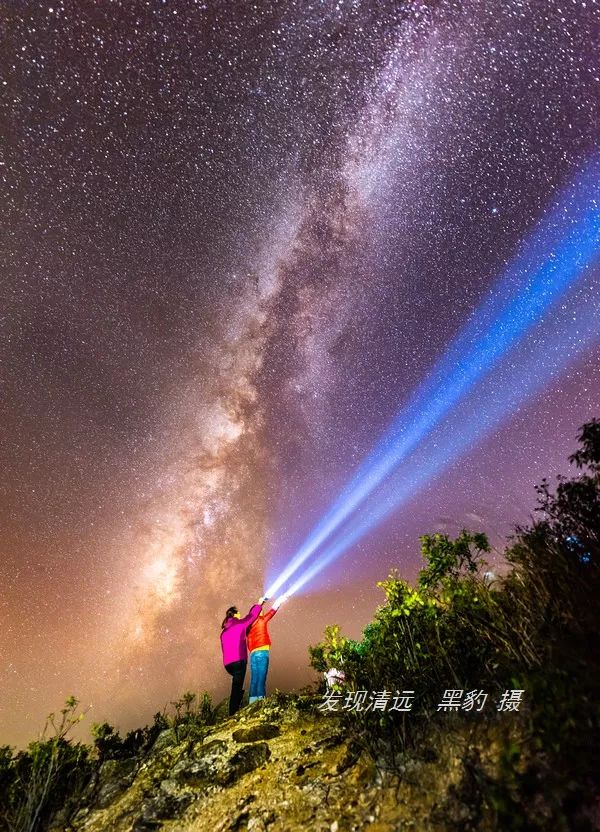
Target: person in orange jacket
x=259, y=647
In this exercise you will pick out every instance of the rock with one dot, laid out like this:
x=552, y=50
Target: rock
x=161, y=807
x=165, y=739
x=243, y=761
x=192, y=772
x=114, y=777
x=208, y=760
x=112, y=769
x=171, y=787
x=109, y=793
x=185, y=769
x=264, y=731
x=210, y=750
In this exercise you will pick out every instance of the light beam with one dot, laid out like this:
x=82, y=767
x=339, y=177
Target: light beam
x=555, y=256
x=461, y=433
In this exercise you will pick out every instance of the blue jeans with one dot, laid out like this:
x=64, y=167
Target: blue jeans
x=259, y=666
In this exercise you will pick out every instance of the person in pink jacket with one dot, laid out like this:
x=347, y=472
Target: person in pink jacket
x=235, y=652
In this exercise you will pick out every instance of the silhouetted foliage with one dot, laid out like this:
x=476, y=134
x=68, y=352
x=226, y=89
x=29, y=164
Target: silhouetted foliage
x=110, y=746
x=52, y=771
x=47, y=780
x=535, y=629
x=191, y=715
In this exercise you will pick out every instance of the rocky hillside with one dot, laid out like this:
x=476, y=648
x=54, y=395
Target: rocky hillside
x=281, y=765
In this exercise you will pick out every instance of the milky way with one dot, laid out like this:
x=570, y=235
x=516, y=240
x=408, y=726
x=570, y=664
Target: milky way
x=236, y=237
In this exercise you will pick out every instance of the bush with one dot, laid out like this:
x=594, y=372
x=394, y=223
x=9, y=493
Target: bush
x=37, y=782
x=534, y=629
x=110, y=746
x=192, y=714
x=188, y=717
x=447, y=628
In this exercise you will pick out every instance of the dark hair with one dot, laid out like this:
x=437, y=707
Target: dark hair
x=231, y=612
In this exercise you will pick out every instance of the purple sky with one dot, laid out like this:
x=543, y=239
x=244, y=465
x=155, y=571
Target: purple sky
x=236, y=238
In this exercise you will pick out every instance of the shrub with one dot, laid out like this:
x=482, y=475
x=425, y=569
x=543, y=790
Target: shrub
x=534, y=629
x=38, y=781
x=192, y=714
x=110, y=745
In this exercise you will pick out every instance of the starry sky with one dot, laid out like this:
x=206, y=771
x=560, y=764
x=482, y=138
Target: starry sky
x=235, y=237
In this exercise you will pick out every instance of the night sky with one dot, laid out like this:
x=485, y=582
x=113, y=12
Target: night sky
x=235, y=237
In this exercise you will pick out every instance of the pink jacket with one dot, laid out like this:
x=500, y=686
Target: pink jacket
x=233, y=636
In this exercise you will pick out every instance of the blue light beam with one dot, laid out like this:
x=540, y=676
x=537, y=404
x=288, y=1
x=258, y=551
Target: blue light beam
x=489, y=405
x=555, y=256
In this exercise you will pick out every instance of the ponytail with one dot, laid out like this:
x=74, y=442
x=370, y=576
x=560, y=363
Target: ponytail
x=231, y=613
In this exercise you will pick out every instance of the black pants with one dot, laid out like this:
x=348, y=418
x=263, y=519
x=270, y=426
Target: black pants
x=238, y=671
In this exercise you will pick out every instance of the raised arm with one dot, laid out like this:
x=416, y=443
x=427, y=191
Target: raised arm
x=278, y=603
x=252, y=615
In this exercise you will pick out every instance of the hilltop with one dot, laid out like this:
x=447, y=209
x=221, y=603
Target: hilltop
x=284, y=766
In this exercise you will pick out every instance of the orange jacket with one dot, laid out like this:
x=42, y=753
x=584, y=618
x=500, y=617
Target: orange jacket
x=257, y=635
